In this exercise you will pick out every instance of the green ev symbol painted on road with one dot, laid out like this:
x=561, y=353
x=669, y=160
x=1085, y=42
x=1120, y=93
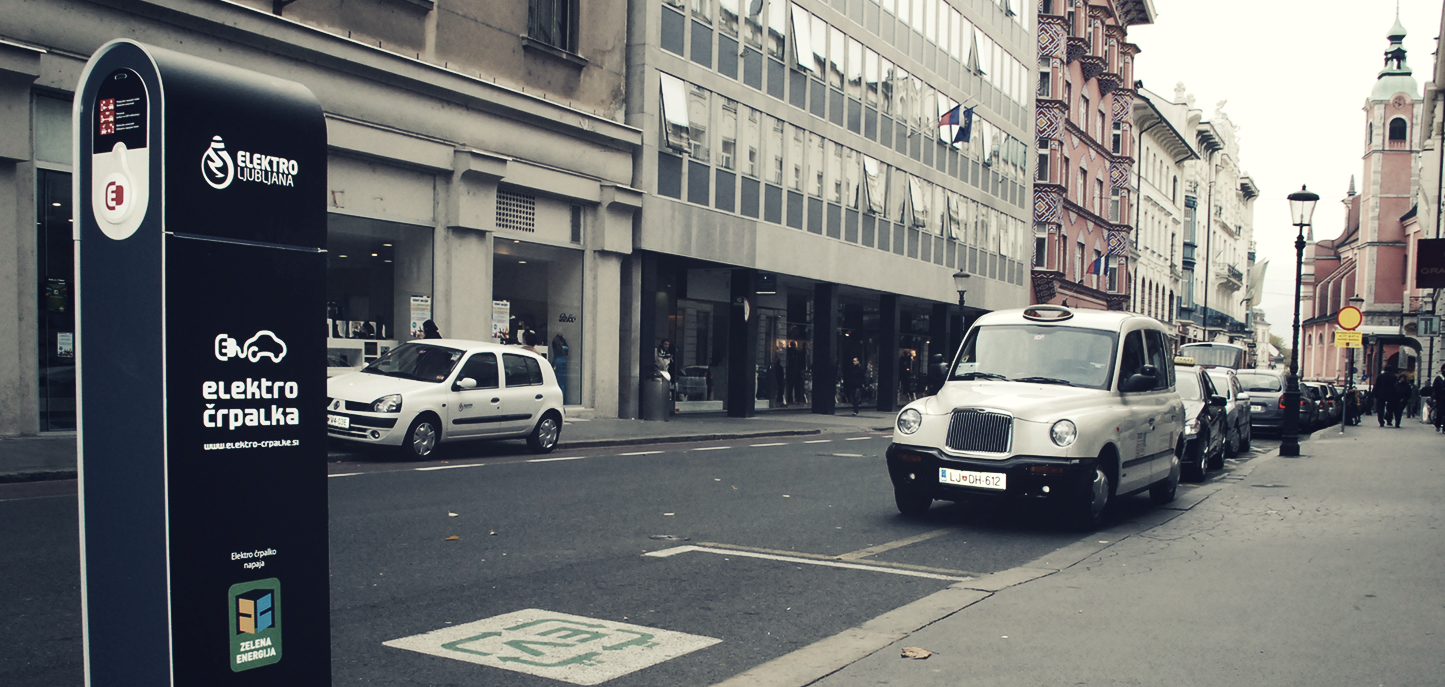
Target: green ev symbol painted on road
x=579, y=650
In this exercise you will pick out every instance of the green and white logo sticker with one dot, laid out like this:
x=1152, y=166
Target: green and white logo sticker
x=255, y=624
x=570, y=648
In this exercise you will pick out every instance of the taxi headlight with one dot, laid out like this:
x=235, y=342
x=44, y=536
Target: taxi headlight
x=1063, y=433
x=387, y=404
x=909, y=421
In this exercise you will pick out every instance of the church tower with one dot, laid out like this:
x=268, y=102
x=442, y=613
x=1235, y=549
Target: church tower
x=1392, y=114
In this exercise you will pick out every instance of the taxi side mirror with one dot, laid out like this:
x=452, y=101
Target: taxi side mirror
x=1218, y=401
x=464, y=384
x=1146, y=379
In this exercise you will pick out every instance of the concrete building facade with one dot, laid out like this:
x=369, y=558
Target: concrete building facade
x=804, y=203
x=480, y=173
x=1158, y=243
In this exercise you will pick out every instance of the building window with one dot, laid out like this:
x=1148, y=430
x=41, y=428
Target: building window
x=1079, y=262
x=1113, y=273
x=1114, y=205
x=553, y=22
x=1084, y=111
x=1118, y=143
x=1399, y=130
x=1041, y=173
x=674, y=112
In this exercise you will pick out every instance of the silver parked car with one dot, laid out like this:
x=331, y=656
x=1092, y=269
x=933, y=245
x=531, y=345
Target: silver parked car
x=1237, y=435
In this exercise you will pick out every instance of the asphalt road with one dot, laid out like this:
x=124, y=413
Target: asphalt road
x=796, y=540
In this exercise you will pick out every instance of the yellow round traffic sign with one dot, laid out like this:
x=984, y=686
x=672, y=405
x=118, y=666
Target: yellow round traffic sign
x=1349, y=318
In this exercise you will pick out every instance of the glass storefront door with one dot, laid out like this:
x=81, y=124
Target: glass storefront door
x=55, y=253
x=541, y=287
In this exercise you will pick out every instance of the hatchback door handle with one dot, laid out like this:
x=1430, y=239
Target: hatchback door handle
x=539, y=397
x=496, y=400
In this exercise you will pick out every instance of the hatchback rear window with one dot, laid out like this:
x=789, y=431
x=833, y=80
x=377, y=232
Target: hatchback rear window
x=1259, y=382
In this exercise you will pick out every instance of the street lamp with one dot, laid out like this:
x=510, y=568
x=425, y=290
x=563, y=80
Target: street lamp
x=960, y=284
x=1301, y=210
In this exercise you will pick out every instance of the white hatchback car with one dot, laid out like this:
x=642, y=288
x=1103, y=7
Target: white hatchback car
x=1046, y=404
x=423, y=393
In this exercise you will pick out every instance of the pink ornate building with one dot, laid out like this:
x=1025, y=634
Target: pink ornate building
x=1086, y=151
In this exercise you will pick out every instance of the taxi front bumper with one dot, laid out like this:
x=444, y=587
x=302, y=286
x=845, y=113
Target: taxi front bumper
x=922, y=470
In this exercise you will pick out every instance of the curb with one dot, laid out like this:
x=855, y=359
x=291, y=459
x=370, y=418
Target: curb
x=37, y=476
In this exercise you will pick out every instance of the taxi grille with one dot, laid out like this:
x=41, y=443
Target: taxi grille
x=977, y=430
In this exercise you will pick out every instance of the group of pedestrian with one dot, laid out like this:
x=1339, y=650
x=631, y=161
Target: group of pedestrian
x=1393, y=394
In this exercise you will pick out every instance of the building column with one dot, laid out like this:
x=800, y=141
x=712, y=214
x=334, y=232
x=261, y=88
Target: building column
x=825, y=348
x=742, y=344
x=887, y=352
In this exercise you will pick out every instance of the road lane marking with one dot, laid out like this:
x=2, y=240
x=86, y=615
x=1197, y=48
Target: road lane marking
x=779, y=443
x=450, y=467
x=842, y=455
x=559, y=646
x=807, y=559
x=896, y=544
x=710, y=448
x=346, y=474
x=819, y=441
x=553, y=460
x=857, y=438
x=640, y=453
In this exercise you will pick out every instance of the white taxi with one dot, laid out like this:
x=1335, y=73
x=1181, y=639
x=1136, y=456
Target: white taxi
x=422, y=393
x=1050, y=405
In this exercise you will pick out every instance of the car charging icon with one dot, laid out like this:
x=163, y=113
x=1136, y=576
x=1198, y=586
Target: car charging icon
x=264, y=344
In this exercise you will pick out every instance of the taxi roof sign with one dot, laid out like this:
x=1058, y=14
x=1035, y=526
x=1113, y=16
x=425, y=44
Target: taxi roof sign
x=1183, y=360
x=1047, y=313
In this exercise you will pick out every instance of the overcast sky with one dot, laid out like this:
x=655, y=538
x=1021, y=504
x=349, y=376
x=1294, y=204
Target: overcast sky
x=1296, y=74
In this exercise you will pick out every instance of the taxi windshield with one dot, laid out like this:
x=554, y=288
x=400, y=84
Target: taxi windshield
x=420, y=362
x=1047, y=354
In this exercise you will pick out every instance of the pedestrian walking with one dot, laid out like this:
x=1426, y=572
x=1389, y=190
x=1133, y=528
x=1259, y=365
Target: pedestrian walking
x=429, y=330
x=1412, y=399
x=905, y=378
x=1384, y=391
x=853, y=383
x=1437, y=397
x=794, y=372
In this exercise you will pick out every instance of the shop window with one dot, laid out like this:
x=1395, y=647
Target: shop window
x=378, y=287
x=55, y=251
x=537, y=289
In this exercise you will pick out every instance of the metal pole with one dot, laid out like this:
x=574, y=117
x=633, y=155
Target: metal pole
x=1289, y=429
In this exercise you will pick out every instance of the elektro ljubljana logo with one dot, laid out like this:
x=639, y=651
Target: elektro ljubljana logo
x=216, y=166
x=219, y=170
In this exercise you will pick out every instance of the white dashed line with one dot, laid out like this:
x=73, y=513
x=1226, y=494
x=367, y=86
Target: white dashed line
x=640, y=453
x=780, y=443
x=553, y=460
x=819, y=441
x=711, y=448
x=449, y=467
x=857, y=438
x=346, y=474
x=665, y=553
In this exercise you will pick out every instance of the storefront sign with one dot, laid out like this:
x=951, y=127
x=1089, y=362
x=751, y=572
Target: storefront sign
x=501, y=320
x=201, y=227
x=1430, y=264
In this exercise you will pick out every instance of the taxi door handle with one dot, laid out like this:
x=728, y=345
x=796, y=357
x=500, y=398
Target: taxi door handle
x=496, y=400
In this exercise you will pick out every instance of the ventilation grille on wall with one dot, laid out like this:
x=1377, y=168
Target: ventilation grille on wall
x=517, y=211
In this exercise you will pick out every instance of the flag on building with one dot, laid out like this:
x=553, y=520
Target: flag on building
x=961, y=118
x=1097, y=266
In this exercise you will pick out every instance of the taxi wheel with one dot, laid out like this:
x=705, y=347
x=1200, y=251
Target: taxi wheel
x=911, y=503
x=1088, y=509
x=1164, y=492
x=545, y=435
x=421, y=439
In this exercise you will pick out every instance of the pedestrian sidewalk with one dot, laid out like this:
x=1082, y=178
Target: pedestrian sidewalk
x=51, y=456
x=1317, y=570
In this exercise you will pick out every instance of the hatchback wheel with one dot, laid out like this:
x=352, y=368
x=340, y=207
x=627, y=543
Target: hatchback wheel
x=421, y=439
x=545, y=435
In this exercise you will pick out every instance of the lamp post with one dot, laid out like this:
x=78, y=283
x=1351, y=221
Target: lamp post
x=1301, y=210
x=960, y=284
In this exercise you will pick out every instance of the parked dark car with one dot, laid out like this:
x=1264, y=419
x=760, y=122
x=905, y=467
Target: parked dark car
x=1323, y=415
x=1265, y=388
x=1237, y=430
x=1204, y=414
